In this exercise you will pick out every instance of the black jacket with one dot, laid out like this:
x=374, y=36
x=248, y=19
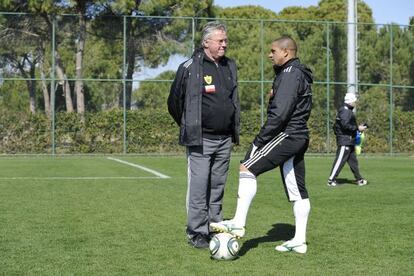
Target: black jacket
x=290, y=105
x=345, y=126
x=185, y=100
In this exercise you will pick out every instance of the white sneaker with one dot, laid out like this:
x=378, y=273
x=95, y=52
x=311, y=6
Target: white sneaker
x=228, y=226
x=332, y=183
x=289, y=246
x=362, y=182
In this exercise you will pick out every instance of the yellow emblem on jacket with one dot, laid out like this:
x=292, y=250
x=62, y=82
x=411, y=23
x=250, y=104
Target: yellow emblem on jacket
x=208, y=79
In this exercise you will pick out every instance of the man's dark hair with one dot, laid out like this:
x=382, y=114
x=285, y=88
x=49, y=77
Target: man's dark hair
x=287, y=43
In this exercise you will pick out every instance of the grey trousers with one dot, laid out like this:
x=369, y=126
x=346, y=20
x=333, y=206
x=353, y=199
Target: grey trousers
x=208, y=166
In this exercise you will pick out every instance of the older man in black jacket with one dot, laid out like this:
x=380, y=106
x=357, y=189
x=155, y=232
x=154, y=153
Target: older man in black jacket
x=345, y=129
x=203, y=101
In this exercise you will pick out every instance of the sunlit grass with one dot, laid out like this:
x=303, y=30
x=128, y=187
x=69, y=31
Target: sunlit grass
x=55, y=225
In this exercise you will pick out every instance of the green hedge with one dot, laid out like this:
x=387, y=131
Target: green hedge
x=153, y=131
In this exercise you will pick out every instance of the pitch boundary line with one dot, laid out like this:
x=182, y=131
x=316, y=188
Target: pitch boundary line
x=158, y=174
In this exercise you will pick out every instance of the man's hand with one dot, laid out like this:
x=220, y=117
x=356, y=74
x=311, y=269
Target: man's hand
x=362, y=128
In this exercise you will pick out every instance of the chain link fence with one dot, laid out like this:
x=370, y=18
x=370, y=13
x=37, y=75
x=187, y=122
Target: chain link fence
x=101, y=86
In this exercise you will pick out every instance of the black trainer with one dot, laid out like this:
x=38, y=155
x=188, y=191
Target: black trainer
x=199, y=241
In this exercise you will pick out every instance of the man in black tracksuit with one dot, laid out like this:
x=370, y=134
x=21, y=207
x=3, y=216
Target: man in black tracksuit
x=203, y=101
x=282, y=141
x=345, y=129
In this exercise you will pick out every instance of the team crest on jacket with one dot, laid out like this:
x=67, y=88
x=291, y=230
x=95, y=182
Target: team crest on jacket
x=208, y=79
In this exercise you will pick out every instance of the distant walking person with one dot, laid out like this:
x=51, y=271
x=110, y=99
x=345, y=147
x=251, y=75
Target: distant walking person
x=281, y=142
x=203, y=101
x=345, y=129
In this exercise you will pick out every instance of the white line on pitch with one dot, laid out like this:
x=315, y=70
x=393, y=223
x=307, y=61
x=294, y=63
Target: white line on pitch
x=160, y=175
x=77, y=178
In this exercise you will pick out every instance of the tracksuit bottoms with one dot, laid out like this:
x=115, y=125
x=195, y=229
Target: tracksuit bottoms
x=208, y=166
x=286, y=152
x=345, y=154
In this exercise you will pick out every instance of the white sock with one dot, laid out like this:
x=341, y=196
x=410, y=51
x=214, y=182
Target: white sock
x=246, y=193
x=301, y=209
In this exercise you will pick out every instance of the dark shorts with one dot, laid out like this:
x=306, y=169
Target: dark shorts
x=286, y=152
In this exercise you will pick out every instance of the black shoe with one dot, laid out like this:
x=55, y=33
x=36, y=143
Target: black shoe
x=199, y=241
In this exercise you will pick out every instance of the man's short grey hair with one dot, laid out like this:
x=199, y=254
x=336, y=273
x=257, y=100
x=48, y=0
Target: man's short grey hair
x=210, y=28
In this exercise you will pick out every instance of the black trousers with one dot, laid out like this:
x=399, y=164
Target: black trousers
x=345, y=154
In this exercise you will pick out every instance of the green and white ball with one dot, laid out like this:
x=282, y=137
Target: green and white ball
x=224, y=246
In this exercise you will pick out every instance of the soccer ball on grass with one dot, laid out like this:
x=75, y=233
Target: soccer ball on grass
x=224, y=246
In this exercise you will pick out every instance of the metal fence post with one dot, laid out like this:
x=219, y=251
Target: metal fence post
x=192, y=34
x=328, y=137
x=391, y=91
x=124, y=89
x=261, y=74
x=52, y=87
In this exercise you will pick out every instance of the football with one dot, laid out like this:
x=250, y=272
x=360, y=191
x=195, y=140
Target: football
x=224, y=246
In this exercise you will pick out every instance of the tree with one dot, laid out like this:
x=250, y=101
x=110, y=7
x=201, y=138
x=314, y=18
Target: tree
x=80, y=8
x=84, y=10
x=46, y=11
x=150, y=41
x=38, y=28
x=19, y=60
x=244, y=47
x=19, y=51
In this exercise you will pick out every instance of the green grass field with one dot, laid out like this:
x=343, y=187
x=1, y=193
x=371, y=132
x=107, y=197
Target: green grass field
x=95, y=216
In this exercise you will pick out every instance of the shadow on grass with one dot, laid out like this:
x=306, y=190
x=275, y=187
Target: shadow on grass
x=343, y=181
x=279, y=232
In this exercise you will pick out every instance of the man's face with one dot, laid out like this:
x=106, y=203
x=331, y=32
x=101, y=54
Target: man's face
x=215, y=46
x=353, y=104
x=277, y=55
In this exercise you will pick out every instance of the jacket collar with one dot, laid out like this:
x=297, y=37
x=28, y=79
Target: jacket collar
x=199, y=54
x=347, y=106
x=280, y=68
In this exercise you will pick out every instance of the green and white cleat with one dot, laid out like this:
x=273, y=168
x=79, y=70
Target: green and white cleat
x=228, y=226
x=290, y=246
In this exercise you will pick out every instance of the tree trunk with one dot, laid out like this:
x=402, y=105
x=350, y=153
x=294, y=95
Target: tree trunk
x=32, y=89
x=130, y=72
x=130, y=65
x=30, y=81
x=63, y=80
x=130, y=60
x=46, y=97
x=80, y=46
